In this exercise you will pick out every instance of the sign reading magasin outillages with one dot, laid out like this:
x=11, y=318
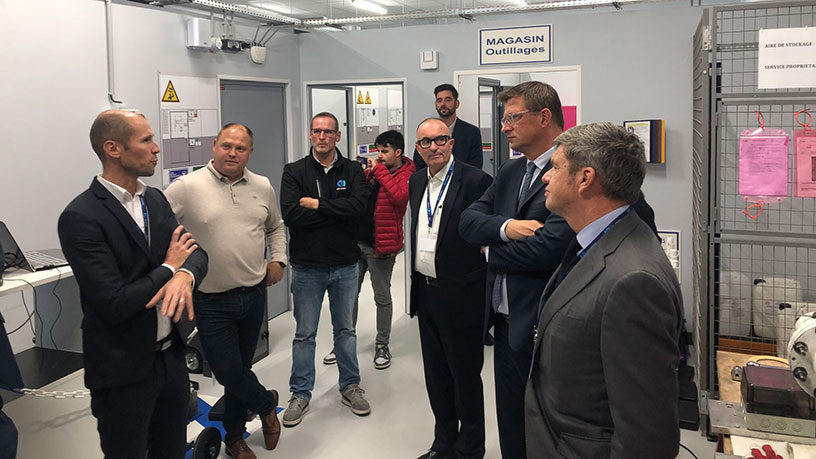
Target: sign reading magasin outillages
x=515, y=45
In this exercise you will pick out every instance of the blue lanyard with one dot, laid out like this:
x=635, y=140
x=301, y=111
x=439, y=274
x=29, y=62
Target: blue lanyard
x=431, y=215
x=146, y=232
x=581, y=255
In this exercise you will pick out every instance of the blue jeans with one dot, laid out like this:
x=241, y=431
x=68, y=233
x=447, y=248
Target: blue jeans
x=309, y=285
x=229, y=324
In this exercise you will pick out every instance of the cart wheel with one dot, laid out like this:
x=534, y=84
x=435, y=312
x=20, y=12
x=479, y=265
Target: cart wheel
x=208, y=444
x=192, y=357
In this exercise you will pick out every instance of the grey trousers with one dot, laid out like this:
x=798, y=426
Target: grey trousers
x=380, y=270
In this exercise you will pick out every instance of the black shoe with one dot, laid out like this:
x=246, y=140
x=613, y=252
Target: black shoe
x=431, y=454
x=489, y=339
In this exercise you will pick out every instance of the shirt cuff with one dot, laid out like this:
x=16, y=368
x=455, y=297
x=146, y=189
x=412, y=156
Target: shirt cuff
x=172, y=269
x=191, y=275
x=502, y=233
x=487, y=253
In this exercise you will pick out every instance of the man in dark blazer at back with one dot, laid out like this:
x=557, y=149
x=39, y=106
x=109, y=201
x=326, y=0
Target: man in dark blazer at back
x=468, y=146
x=447, y=282
x=136, y=269
x=603, y=381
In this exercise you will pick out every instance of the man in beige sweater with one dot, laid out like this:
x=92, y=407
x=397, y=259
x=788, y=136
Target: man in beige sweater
x=236, y=213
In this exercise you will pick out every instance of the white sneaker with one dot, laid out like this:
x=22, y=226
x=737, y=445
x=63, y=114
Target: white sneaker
x=330, y=358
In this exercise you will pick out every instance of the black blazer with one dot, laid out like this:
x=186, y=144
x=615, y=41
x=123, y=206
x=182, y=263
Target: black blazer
x=460, y=267
x=117, y=275
x=467, y=147
x=528, y=262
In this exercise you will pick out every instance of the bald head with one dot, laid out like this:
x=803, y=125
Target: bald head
x=115, y=125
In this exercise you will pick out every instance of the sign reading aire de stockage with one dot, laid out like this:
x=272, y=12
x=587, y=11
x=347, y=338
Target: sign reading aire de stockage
x=515, y=45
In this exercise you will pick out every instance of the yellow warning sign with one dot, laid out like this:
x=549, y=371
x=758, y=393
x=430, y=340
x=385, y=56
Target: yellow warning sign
x=360, y=97
x=170, y=94
x=368, y=98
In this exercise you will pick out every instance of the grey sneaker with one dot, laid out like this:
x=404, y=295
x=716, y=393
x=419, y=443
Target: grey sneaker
x=330, y=358
x=298, y=407
x=382, y=357
x=353, y=398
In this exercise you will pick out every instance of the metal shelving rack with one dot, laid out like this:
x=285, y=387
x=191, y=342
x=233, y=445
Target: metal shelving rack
x=731, y=251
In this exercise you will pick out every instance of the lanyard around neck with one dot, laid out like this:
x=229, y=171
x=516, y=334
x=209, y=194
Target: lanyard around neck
x=146, y=232
x=431, y=215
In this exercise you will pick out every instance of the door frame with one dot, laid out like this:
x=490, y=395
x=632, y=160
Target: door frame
x=287, y=94
x=403, y=82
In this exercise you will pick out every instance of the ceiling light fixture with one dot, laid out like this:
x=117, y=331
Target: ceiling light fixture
x=368, y=6
x=519, y=2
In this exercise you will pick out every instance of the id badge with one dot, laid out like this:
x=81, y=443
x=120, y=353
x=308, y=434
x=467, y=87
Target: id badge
x=427, y=244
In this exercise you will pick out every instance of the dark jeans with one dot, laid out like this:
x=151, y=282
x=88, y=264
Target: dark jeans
x=146, y=418
x=229, y=323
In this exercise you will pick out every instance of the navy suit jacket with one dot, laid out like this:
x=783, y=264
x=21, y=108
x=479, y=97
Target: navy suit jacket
x=467, y=147
x=460, y=267
x=117, y=275
x=528, y=262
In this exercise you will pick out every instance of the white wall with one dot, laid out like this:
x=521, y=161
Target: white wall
x=54, y=82
x=634, y=63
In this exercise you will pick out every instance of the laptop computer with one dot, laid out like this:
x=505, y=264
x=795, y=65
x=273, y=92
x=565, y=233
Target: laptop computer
x=30, y=261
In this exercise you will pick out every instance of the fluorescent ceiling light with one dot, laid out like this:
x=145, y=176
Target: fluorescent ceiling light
x=368, y=6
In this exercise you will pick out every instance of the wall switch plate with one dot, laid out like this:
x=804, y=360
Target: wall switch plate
x=670, y=241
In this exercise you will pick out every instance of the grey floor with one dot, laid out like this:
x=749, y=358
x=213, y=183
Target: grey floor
x=400, y=425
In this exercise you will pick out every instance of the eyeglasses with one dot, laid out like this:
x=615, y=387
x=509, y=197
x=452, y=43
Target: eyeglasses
x=511, y=118
x=425, y=142
x=326, y=132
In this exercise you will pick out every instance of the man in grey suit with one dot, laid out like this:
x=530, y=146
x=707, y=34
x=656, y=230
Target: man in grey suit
x=603, y=381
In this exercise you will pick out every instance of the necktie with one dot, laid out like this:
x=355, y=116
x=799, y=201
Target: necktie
x=570, y=259
x=525, y=184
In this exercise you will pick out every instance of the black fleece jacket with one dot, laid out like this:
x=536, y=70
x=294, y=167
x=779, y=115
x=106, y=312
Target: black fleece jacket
x=326, y=236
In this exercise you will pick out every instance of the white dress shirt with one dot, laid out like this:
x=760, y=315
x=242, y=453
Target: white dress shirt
x=426, y=237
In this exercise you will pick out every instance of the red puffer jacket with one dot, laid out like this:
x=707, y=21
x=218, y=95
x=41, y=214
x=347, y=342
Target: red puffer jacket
x=392, y=199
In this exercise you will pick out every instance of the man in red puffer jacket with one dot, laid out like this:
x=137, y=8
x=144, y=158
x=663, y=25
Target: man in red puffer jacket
x=380, y=237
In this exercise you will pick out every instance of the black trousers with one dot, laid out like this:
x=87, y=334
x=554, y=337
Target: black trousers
x=229, y=324
x=147, y=418
x=453, y=359
x=510, y=369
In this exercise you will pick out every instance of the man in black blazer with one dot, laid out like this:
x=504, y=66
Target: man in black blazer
x=603, y=381
x=468, y=146
x=447, y=279
x=136, y=269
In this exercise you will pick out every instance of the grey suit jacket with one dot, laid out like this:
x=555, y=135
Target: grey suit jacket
x=603, y=382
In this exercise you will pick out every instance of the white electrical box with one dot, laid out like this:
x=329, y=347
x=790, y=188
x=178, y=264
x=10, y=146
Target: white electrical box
x=429, y=60
x=198, y=34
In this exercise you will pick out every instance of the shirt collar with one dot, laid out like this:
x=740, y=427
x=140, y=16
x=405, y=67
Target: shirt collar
x=453, y=125
x=122, y=195
x=440, y=176
x=591, y=231
x=221, y=177
x=336, y=155
x=543, y=159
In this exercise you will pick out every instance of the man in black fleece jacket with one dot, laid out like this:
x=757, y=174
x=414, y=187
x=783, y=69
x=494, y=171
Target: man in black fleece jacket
x=323, y=197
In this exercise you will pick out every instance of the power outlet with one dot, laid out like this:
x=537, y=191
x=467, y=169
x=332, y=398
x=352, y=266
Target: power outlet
x=670, y=241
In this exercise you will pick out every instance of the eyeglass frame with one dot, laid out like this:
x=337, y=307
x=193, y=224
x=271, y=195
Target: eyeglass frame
x=435, y=140
x=326, y=132
x=511, y=119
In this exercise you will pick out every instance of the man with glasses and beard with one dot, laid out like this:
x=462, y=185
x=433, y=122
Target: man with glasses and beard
x=468, y=146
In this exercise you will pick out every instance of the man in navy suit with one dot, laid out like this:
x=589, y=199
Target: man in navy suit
x=467, y=147
x=524, y=244
x=136, y=269
x=447, y=281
